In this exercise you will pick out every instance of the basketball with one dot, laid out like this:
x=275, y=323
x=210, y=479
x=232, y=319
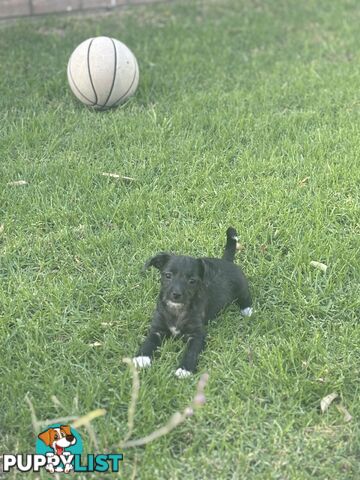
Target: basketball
x=102, y=72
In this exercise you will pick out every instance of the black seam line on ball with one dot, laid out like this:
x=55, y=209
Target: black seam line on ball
x=128, y=90
x=77, y=88
x=114, y=75
x=88, y=64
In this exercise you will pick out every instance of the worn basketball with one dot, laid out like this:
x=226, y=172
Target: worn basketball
x=102, y=72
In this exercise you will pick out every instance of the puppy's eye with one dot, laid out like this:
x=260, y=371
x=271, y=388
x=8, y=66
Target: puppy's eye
x=56, y=436
x=63, y=435
x=167, y=275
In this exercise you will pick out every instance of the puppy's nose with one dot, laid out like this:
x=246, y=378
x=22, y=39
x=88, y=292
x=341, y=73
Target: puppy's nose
x=176, y=295
x=70, y=438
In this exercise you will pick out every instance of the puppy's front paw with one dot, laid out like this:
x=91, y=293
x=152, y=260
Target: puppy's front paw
x=247, y=312
x=182, y=373
x=142, y=362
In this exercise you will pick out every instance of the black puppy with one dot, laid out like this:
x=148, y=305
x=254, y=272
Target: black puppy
x=193, y=291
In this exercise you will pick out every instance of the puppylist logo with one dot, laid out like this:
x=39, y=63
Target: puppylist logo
x=59, y=449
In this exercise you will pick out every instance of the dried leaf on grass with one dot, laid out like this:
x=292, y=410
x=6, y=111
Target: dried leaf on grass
x=116, y=175
x=59, y=32
x=347, y=416
x=319, y=265
x=2, y=227
x=95, y=344
x=303, y=182
x=327, y=401
x=17, y=183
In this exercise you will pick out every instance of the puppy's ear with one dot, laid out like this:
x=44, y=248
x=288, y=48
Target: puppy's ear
x=66, y=429
x=45, y=437
x=159, y=261
x=202, y=268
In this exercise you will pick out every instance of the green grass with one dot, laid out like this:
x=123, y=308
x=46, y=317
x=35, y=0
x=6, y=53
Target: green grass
x=247, y=114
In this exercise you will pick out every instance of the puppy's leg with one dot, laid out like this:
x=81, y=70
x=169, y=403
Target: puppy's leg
x=147, y=349
x=189, y=361
x=244, y=301
x=246, y=309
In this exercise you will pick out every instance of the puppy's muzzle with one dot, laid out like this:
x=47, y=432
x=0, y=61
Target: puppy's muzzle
x=176, y=296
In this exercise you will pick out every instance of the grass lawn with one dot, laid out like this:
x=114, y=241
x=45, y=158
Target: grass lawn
x=247, y=114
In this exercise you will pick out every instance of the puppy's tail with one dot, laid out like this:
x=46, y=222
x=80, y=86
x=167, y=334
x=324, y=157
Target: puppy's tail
x=230, y=247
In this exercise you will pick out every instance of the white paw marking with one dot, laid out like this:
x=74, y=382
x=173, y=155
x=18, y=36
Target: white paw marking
x=142, y=362
x=247, y=312
x=182, y=373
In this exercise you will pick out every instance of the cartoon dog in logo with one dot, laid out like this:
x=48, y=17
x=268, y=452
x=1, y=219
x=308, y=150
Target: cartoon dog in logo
x=58, y=438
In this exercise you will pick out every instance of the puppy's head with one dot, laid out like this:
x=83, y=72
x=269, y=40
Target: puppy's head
x=58, y=438
x=181, y=278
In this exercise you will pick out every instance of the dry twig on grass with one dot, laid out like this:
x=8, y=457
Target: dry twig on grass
x=176, y=419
